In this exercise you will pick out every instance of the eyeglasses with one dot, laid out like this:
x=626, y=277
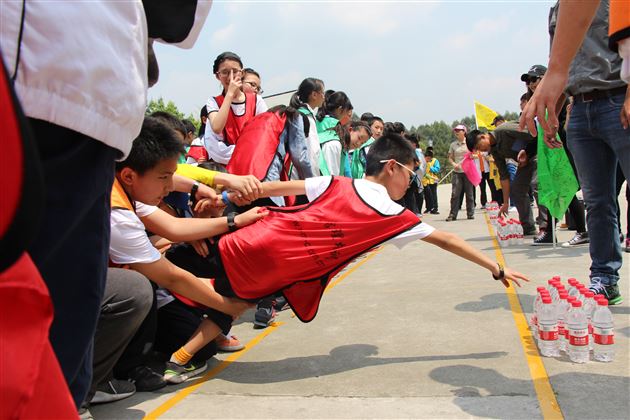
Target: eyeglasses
x=256, y=88
x=413, y=177
x=226, y=72
x=531, y=80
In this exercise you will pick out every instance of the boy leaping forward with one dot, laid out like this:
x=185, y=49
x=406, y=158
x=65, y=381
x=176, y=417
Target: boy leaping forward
x=296, y=251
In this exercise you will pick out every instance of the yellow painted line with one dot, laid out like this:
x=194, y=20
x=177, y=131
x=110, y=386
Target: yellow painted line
x=546, y=397
x=175, y=399
x=350, y=271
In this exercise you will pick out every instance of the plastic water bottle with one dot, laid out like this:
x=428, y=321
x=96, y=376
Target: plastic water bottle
x=589, y=306
x=578, y=333
x=548, y=329
x=572, y=286
x=503, y=234
x=520, y=233
x=603, y=333
x=562, y=309
x=540, y=293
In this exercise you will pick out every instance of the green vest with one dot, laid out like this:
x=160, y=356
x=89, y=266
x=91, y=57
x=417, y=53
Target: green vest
x=359, y=159
x=326, y=133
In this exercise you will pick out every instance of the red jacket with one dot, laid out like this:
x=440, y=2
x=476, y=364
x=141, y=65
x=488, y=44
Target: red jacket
x=298, y=250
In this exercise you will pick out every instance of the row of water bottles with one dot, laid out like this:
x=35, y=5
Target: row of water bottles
x=509, y=231
x=574, y=321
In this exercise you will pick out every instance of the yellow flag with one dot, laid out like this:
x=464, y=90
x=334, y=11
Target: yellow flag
x=484, y=116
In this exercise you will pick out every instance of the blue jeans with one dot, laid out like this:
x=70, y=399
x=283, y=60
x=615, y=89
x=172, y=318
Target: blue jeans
x=598, y=141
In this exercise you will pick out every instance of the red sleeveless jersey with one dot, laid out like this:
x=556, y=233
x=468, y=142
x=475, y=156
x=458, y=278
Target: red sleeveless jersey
x=257, y=145
x=297, y=250
x=234, y=124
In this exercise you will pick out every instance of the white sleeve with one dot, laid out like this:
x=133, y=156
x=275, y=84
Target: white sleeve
x=420, y=231
x=261, y=105
x=332, y=156
x=143, y=210
x=217, y=150
x=316, y=186
x=129, y=242
x=212, y=105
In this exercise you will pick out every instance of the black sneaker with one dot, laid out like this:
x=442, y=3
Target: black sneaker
x=471, y=217
x=610, y=291
x=113, y=390
x=544, y=239
x=264, y=316
x=146, y=379
x=280, y=303
x=435, y=212
x=450, y=218
x=580, y=238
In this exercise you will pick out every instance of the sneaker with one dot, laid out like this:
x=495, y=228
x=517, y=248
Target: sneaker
x=611, y=292
x=176, y=374
x=450, y=219
x=228, y=343
x=471, y=217
x=113, y=390
x=580, y=238
x=263, y=317
x=531, y=232
x=146, y=379
x=435, y=212
x=280, y=303
x=544, y=238
x=84, y=413
x=627, y=248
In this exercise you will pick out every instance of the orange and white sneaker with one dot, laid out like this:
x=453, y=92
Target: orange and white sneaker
x=228, y=343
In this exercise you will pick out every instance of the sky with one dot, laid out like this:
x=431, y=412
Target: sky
x=409, y=61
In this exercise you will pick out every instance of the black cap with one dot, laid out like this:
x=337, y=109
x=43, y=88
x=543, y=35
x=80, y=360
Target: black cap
x=537, y=70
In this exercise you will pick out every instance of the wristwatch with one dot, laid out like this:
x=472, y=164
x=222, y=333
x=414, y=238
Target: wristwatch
x=230, y=219
x=193, y=194
x=501, y=273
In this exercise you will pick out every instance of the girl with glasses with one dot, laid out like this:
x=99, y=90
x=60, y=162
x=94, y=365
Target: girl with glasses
x=229, y=111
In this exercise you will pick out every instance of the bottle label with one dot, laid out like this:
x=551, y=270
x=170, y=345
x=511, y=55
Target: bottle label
x=590, y=329
x=604, y=336
x=578, y=337
x=562, y=332
x=548, y=332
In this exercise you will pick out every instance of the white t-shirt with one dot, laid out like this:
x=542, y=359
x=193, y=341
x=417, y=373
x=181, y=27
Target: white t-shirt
x=217, y=149
x=376, y=196
x=129, y=242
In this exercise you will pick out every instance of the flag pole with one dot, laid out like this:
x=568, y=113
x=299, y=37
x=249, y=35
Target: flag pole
x=553, y=229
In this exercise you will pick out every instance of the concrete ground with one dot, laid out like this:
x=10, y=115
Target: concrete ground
x=411, y=333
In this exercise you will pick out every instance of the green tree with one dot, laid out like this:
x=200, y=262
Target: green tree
x=170, y=107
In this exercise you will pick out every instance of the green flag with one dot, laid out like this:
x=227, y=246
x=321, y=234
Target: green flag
x=556, y=180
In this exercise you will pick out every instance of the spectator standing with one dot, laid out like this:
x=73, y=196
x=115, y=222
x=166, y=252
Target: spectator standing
x=459, y=181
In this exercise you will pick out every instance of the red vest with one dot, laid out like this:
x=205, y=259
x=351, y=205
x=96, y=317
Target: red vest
x=257, y=145
x=298, y=250
x=234, y=124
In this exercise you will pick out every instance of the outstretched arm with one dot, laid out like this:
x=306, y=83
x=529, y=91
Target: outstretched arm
x=283, y=188
x=458, y=246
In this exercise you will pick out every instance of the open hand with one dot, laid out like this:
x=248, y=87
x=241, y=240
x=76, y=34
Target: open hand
x=544, y=101
x=513, y=276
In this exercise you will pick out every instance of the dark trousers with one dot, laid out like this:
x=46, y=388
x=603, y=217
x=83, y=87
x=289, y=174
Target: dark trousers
x=430, y=195
x=461, y=185
x=72, y=247
x=127, y=300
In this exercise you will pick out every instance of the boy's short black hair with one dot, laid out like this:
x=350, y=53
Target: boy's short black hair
x=171, y=121
x=155, y=143
x=389, y=146
x=472, y=139
x=428, y=153
x=189, y=126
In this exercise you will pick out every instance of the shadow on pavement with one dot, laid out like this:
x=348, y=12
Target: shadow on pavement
x=574, y=392
x=340, y=359
x=494, y=301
